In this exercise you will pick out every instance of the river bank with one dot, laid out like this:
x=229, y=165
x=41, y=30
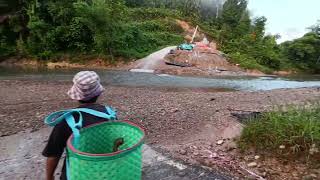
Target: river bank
x=153, y=63
x=187, y=123
x=64, y=64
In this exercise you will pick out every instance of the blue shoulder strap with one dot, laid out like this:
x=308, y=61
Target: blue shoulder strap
x=67, y=115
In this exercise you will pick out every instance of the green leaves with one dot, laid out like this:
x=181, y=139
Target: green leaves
x=233, y=11
x=103, y=18
x=259, y=26
x=304, y=52
x=134, y=28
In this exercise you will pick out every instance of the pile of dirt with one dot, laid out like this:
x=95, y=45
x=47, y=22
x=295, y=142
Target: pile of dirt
x=209, y=59
x=203, y=59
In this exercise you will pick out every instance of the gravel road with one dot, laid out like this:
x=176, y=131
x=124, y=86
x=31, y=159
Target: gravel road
x=170, y=115
x=176, y=120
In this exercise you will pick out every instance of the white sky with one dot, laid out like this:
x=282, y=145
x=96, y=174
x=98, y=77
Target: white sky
x=289, y=18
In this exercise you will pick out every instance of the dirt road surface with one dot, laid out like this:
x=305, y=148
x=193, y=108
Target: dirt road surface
x=177, y=121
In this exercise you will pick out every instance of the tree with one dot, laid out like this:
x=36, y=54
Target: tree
x=233, y=11
x=304, y=52
x=103, y=18
x=259, y=26
x=316, y=28
x=244, y=26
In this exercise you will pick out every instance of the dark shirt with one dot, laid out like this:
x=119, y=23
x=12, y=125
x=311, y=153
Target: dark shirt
x=61, y=132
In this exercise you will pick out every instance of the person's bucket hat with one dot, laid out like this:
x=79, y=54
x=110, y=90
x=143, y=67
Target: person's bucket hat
x=86, y=85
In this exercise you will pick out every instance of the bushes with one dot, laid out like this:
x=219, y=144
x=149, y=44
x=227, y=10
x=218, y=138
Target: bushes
x=119, y=36
x=44, y=28
x=102, y=28
x=6, y=48
x=263, y=55
x=143, y=14
x=8, y=40
x=247, y=62
x=134, y=41
x=298, y=129
x=165, y=25
x=51, y=29
x=304, y=53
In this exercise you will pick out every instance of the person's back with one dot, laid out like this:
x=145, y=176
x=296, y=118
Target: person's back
x=86, y=90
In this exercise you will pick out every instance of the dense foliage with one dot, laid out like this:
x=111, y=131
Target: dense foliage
x=244, y=38
x=47, y=29
x=304, y=53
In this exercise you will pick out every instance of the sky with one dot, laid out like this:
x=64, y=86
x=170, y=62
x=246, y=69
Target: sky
x=289, y=18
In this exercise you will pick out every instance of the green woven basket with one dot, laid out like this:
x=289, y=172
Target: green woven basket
x=93, y=156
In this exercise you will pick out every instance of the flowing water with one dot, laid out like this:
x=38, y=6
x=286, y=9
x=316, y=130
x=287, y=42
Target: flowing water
x=125, y=78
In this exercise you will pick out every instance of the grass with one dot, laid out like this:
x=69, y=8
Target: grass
x=297, y=128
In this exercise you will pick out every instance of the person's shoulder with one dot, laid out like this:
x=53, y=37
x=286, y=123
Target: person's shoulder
x=96, y=106
x=62, y=126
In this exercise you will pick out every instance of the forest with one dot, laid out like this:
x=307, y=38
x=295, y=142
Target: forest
x=132, y=29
